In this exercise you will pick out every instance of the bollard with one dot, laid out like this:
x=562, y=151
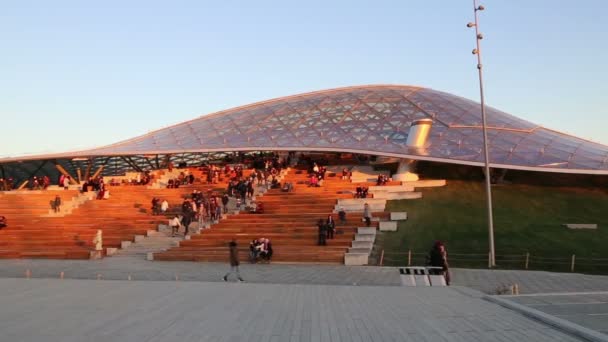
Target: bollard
x=98, y=276
x=516, y=289
x=61, y=275
x=28, y=273
x=129, y=277
x=409, y=257
x=176, y=277
x=572, y=263
x=527, y=259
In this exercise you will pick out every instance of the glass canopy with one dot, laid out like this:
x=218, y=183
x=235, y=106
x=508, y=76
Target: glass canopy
x=372, y=120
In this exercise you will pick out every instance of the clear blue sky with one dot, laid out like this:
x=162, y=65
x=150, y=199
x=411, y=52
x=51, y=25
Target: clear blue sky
x=77, y=74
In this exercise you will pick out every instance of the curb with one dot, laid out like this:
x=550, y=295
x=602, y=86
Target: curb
x=556, y=322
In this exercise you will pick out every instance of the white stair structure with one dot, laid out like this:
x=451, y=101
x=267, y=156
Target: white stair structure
x=356, y=204
x=361, y=174
x=362, y=245
x=67, y=206
x=154, y=241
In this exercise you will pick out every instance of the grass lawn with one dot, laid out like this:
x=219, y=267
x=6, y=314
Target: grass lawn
x=526, y=219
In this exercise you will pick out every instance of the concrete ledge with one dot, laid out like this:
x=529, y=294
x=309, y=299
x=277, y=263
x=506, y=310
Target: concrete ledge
x=125, y=244
x=361, y=201
x=388, y=226
x=398, y=216
x=359, y=208
x=356, y=259
x=366, y=251
x=366, y=230
x=111, y=251
x=362, y=244
x=139, y=238
x=365, y=237
x=175, y=244
x=426, y=183
x=581, y=225
x=150, y=256
x=398, y=195
x=561, y=324
x=390, y=188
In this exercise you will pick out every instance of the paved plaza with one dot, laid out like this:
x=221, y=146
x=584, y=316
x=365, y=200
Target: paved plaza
x=588, y=309
x=91, y=310
x=188, y=301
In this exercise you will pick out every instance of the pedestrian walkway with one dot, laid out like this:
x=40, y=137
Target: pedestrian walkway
x=486, y=281
x=77, y=310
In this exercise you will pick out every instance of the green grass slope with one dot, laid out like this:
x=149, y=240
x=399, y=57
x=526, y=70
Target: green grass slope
x=526, y=219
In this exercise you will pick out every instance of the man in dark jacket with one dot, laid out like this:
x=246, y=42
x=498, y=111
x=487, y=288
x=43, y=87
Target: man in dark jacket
x=187, y=214
x=234, y=261
x=322, y=232
x=225, y=201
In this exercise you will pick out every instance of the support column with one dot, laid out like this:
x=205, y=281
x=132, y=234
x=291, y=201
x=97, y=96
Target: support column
x=87, y=172
x=416, y=141
x=405, y=171
x=98, y=172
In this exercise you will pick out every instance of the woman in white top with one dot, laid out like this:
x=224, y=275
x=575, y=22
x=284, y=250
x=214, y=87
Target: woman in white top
x=175, y=223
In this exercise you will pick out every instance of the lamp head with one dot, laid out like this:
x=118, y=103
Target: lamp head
x=480, y=8
x=470, y=25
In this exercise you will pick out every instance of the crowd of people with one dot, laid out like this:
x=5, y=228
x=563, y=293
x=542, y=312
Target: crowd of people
x=317, y=175
x=260, y=250
x=361, y=191
x=7, y=184
x=382, y=179
x=198, y=207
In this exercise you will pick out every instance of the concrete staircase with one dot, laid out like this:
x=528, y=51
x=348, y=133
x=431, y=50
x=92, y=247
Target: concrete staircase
x=68, y=206
x=362, y=245
x=154, y=241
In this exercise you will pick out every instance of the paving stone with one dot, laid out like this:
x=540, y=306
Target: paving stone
x=202, y=311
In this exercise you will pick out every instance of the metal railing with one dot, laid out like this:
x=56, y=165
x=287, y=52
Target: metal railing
x=523, y=261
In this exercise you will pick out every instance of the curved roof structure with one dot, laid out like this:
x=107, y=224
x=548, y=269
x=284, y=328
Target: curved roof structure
x=371, y=120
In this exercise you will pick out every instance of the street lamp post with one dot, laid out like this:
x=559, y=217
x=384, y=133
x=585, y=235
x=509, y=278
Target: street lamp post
x=477, y=51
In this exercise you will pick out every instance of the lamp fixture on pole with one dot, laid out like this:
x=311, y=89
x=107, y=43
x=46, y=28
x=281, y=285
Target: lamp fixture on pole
x=477, y=51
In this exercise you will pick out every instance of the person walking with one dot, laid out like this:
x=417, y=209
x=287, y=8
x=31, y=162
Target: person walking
x=367, y=214
x=322, y=232
x=438, y=257
x=342, y=216
x=225, y=200
x=57, y=204
x=331, y=227
x=234, y=261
